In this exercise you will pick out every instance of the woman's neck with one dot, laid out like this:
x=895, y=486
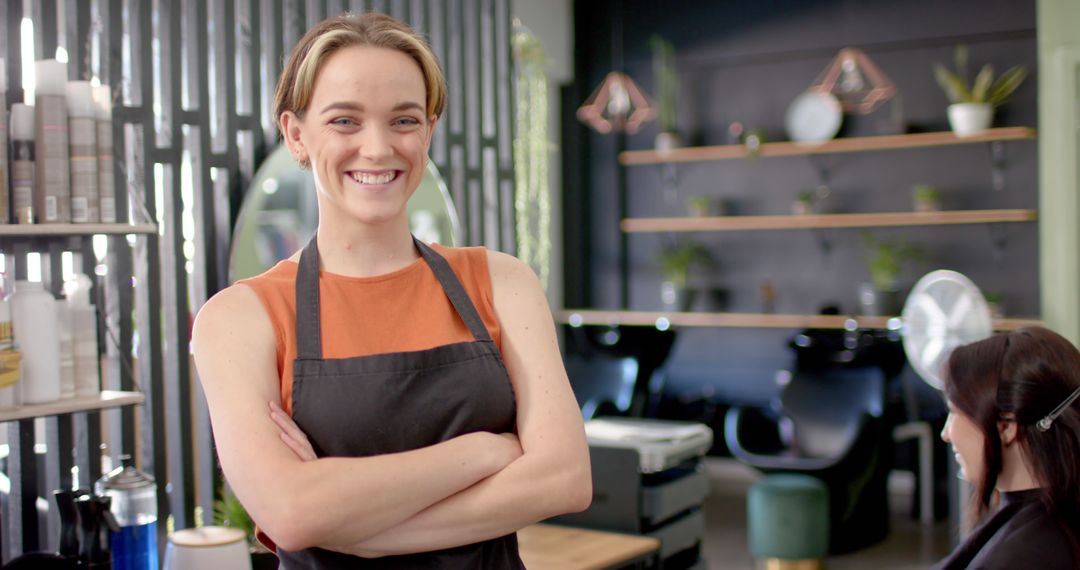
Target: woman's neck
x=1016, y=474
x=365, y=251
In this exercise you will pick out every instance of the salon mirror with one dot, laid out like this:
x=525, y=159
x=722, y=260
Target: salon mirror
x=280, y=213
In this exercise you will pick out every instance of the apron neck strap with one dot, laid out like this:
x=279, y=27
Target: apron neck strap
x=308, y=330
x=454, y=290
x=308, y=321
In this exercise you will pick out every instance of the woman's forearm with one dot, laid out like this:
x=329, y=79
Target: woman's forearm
x=344, y=500
x=528, y=490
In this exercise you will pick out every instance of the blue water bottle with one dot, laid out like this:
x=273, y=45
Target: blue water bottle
x=134, y=506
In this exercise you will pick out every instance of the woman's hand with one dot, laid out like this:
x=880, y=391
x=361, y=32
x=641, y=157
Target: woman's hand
x=291, y=434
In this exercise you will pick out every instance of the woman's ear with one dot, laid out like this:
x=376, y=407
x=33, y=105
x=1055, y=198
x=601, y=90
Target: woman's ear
x=1007, y=429
x=290, y=126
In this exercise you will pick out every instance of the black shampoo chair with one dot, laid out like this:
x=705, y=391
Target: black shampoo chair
x=830, y=424
x=611, y=368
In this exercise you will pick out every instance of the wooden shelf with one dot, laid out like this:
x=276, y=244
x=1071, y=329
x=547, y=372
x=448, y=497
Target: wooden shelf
x=853, y=144
x=107, y=399
x=809, y=221
x=578, y=317
x=35, y=230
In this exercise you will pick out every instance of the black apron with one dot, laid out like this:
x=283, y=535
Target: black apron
x=389, y=403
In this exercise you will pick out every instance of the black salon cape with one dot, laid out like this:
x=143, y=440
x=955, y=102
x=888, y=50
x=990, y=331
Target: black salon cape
x=1021, y=534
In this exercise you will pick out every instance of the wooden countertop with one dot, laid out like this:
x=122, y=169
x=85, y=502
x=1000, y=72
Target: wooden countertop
x=551, y=547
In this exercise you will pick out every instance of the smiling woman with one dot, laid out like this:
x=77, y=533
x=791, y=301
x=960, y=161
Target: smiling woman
x=379, y=402
x=1015, y=429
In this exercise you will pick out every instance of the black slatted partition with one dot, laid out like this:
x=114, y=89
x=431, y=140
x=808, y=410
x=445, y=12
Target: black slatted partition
x=193, y=82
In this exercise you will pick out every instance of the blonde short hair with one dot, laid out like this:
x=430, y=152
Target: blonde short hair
x=297, y=82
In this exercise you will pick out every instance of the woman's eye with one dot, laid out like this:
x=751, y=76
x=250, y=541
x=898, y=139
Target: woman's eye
x=343, y=122
x=407, y=122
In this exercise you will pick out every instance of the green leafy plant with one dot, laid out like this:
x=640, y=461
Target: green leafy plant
x=229, y=512
x=984, y=89
x=886, y=259
x=678, y=261
x=805, y=197
x=925, y=193
x=667, y=82
x=699, y=205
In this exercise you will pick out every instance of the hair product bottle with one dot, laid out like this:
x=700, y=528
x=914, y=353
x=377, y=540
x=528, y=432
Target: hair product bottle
x=106, y=188
x=84, y=335
x=22, y=163
x=67, y=350
x=52, y=190
x=9, y=358
x=82, y=136
x=33, y=311
x=5, y=199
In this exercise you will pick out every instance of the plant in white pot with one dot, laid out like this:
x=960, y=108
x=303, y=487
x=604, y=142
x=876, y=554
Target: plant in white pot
x=667, y=87
x=885, y=260
x=677, y=262
x=972, y=108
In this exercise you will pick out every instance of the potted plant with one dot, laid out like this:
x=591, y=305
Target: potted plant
x=667, y=86
x=972, y=108
x=885, y=259
x=229, y=512
x=926, y=198
x=803, y=204
x=700, y=206
x=994, y=303
x=677, y=262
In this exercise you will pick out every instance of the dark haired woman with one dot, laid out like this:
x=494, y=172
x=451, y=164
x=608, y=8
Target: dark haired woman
x=1014, y=423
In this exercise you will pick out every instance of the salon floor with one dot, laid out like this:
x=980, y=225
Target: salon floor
x=909, y=546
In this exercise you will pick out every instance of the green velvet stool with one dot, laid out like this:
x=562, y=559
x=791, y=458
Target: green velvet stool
x=788, y=522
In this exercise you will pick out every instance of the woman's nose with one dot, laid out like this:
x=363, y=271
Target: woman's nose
x=375, y=143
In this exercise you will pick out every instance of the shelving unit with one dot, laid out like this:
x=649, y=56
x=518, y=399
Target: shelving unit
x=578, y=317
x=842, y=145
x=106, y=399
x=73, y=427
x=41, y=230
x=815, y=221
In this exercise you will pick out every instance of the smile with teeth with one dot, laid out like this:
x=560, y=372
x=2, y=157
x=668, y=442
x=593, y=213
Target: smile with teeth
x=374, y=178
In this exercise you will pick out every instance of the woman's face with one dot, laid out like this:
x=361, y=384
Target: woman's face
x=366, y=133
x=967, y=442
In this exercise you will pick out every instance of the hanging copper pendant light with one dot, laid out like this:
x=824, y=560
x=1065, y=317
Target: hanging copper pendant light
x=617, y=105
x=859, y=85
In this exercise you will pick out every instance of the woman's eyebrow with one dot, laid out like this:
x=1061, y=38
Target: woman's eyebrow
x=351, y=106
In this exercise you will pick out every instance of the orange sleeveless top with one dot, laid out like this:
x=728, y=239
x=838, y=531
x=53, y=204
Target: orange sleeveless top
x=402, y=311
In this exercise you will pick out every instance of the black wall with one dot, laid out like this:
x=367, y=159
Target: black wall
x=742, y=61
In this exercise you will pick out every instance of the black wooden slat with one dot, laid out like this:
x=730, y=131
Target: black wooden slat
x=178, y=414
x=12, y=16
x=436, y=34
x=22, y=527
x=45, y=29
x=155, y=452
x=231, y=150
x=120, y=287
x=210, y=237
x=57, y=447
x=80, y=47
x=181, y=465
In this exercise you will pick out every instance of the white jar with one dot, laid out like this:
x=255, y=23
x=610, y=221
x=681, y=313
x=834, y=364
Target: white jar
x=33, y=311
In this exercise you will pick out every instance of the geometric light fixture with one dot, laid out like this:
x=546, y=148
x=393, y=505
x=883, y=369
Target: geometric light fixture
x=855, y=81
x=617, y=104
